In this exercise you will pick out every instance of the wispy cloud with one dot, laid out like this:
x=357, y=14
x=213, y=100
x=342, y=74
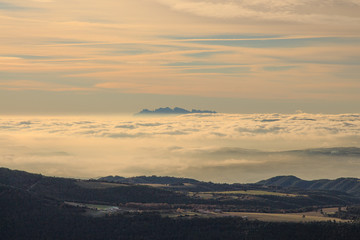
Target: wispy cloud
x=278, y=42
x=238, y=49
x=292, y=10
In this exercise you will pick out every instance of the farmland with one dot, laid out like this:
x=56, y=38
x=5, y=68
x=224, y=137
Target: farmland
x=50, y=207
x=284, y=217
x=208, y=195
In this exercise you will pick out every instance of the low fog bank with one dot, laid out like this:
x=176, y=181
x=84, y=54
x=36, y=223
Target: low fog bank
x=209, y=147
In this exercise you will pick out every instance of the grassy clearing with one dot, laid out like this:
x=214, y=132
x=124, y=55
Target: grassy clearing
x=248, y=192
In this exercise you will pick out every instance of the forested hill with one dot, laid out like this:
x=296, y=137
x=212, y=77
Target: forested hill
x=67, y=189
x=149, y=180
x=348, y=185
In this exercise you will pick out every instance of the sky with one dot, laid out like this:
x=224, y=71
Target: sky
x=283, y=75
x=232, y=56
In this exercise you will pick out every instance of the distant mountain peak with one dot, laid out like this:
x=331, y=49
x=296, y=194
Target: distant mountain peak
x=168, y=110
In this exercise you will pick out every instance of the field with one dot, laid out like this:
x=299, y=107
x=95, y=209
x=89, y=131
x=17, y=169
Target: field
x=284, y=217
x=259, y=192
x=313, y=216
x=210, y=195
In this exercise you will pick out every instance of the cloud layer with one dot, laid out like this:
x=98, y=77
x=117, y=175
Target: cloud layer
x=218, y=147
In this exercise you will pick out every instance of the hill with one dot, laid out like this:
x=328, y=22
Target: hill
x=67, y=189
x=149, y=180
x=37, y=207
x=171, y=191
x=347, y=185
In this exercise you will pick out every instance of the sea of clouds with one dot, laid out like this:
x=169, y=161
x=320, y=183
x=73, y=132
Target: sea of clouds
x=211, y=147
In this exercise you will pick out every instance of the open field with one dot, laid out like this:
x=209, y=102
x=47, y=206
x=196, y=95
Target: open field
x=210, y=195
x=313, y=216
x=258, y=192
x=284, y=217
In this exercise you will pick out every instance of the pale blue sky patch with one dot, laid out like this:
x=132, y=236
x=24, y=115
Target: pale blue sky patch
x=207, y=54
x=10, y=7
x=278, y=68
x=278, y=43
x=350, y=60
x=138, y=48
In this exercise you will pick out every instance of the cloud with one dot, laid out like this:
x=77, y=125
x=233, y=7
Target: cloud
x=216, y=147
x=292, y=10
x=277, y=42
x=227, y=70
x=123, y=135
x=10, y=7
x=50, y=154
x=149, y=124
x=128, y=126
x=278, y=68
x=208, y=126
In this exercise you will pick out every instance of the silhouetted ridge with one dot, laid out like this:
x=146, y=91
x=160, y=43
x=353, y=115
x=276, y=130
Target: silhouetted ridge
x=167, y=110
x=149, y=180
x=336, y=151
x=68, y=189
x=19, y=179
x=348, y=185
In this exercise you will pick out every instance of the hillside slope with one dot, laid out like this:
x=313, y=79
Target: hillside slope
x=67, y=189
x=348, y=185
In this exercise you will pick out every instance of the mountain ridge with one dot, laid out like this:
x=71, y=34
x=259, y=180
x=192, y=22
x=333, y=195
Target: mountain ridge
x=38, y=182
x=170, y=111
x=149, y=180
x=347, y=185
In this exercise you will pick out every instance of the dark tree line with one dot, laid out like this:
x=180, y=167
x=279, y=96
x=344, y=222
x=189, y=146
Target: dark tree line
x=26, y=216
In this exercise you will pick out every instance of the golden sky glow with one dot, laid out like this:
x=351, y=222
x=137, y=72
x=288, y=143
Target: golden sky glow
x=259, y=50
